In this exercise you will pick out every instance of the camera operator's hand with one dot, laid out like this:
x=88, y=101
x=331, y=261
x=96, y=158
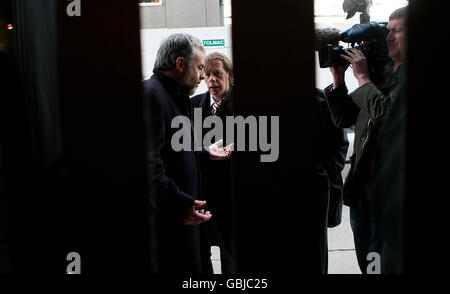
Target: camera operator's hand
x=338, y=73
x=359, y=65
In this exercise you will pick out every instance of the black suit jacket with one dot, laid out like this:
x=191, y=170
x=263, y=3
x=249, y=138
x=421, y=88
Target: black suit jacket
x=217, y=186
x=175, y=181
x=212, y=168
x=203, y=101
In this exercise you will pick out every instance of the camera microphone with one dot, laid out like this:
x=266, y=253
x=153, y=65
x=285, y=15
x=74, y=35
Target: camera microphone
x=327, y=36
x=370, y=37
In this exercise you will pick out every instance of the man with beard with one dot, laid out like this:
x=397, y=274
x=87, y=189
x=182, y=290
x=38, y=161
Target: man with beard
x=177, y=213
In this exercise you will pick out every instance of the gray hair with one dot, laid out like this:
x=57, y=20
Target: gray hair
x=174, y=46
x=400, y=13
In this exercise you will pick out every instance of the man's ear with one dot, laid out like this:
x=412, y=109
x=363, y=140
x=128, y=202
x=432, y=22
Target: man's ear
x=180, y=64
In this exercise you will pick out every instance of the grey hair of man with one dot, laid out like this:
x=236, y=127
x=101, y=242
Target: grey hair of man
x=174, y=46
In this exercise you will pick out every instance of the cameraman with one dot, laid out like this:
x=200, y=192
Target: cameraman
x=365, y=109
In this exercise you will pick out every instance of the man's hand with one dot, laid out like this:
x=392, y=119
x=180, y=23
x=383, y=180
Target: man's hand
x=195, y=217
x=217, y=153
x=359, y=65
x=338, y=73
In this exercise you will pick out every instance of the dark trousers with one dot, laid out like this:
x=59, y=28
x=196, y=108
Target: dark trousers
x=227, y=259
x=365, y=235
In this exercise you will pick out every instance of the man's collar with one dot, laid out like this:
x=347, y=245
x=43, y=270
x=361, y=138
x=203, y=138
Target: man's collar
x=164, y=78
x=170, y=84
x=228, y=94
x=211, y=100
x=225, y=98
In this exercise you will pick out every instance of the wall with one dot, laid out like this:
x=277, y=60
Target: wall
x=181, y=14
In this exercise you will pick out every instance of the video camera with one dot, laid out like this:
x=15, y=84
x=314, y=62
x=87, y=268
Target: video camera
x=370, y=38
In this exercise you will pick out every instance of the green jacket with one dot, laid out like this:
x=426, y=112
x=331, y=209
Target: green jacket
x=364, y=109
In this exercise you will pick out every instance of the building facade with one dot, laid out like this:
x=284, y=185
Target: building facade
x=181, y=13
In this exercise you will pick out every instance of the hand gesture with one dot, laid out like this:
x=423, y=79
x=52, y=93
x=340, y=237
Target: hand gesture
x=218, y=153
x=338, y=73
x=195, y=217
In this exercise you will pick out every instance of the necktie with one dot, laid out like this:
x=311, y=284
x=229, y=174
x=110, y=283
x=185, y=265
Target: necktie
x=214, y=107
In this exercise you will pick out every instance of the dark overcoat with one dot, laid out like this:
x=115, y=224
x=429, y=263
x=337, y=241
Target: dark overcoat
x=175, y=181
